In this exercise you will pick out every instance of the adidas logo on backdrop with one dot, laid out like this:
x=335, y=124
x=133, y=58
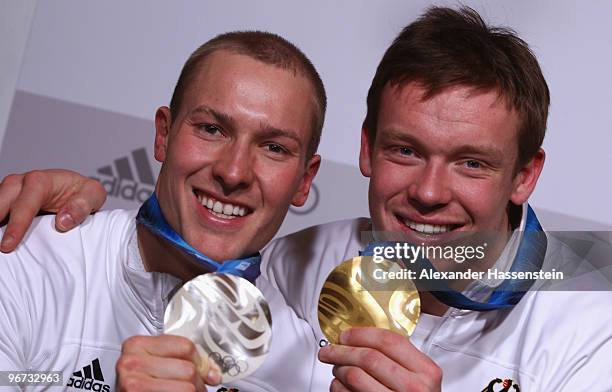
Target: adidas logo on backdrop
x=119, y=181
x=89, y=378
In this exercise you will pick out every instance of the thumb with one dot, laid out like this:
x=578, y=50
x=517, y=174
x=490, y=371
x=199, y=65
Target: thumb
x=72, y=214
x=208, y=370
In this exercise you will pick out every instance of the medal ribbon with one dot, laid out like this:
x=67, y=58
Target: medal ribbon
x=151, y=217
x=529, y=258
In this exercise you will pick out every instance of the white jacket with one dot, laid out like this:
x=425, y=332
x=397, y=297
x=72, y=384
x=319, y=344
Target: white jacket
x=69, y=300
x=550, y=341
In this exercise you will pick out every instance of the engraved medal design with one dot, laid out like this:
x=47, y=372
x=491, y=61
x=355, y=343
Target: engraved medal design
x=355, y=294
x=228, y=320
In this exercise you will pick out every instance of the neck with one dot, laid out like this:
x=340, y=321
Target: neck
x=431, y=305
x=158, y=255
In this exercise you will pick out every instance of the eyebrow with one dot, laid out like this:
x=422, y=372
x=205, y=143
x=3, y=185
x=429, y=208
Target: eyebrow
x=482, y=149
x=270, y=131
x=220, y=117
x=267, y=130
x=479, y=149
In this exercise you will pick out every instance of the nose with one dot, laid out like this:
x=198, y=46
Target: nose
x=233, y=170
x=431, y=189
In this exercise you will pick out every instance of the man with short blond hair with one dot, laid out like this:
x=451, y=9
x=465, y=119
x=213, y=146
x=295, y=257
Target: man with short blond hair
x=248, y=109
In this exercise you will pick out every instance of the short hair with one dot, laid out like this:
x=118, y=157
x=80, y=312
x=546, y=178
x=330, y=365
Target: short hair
x=268, y=48
x=446, y=48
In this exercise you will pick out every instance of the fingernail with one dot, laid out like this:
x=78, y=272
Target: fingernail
x=65, y=221
x=7, y=241
x=214, y=376
x=344, y=336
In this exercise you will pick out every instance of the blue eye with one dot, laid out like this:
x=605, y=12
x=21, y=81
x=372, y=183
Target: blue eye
x=472, y=164
x=276, y=148
x=406, y=151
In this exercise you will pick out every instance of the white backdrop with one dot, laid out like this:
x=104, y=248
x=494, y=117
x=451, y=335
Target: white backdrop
x=118, y=61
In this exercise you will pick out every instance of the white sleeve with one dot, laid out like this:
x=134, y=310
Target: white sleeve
x=27, y=298
x=14, y=327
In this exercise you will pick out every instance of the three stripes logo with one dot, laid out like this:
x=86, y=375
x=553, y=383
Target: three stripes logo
x=89, y=378
x=120, y=180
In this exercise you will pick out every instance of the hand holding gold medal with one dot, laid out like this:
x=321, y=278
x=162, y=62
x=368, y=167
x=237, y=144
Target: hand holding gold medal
x=352, y=296
x=379, y=357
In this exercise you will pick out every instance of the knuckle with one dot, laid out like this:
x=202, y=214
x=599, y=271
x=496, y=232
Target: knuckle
x=79, y=204
x=190, y=371
x=397, y=372
x=430, y=379
x=391, y=339
x=127, y=363
x=96, y=186
x=12, y=180
x=34, y=175
x=336, y=371
x=132, y=384
x=120, y=365
x=354, y=377
x=336, y=386
x=35, y=178
x=132, y=342
x=186, y=346
x=435, y=374
x=371, y=358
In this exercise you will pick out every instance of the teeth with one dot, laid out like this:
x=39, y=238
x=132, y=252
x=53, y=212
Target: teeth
x=427, y=228
x=226, y=211
x=223, y=215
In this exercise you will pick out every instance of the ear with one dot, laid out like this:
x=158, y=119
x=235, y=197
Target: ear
x=527, y=177
x=365, y=153
x=163, y=122
x=312, y=167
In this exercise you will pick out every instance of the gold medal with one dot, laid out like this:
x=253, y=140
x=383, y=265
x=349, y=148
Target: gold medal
x=228, y=320
x=363, y=293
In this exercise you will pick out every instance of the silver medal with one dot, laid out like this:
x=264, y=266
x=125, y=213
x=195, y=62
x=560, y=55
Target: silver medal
x=227, y=318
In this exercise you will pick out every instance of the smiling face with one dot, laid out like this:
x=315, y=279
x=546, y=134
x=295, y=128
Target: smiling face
x=446, y=164
x=234, y=159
